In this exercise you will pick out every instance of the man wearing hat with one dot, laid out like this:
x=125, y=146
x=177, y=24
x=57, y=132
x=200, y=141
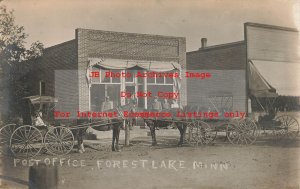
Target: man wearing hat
x=107, y=104
x=156, y=105
x=166, y=104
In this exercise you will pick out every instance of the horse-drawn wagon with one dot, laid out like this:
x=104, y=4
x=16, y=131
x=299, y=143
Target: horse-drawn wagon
x=245, y=130
x=41, y=132
x=240, y=130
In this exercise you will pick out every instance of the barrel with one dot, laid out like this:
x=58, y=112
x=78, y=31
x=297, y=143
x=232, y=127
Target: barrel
x=43, y=177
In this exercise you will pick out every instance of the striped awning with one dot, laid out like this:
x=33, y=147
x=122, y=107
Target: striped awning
x=119, y=64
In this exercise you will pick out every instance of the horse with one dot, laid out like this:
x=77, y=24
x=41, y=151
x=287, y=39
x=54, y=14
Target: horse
x=180, y=124
x=104, y=124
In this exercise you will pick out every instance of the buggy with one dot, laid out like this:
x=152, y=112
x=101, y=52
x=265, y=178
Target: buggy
x=41, y=132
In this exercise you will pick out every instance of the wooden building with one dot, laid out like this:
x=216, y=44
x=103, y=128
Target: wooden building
x=264, y=65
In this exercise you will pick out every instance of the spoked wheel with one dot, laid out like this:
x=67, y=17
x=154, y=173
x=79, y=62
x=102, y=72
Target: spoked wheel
x=26, y=141
x=194, y=133
x=243, y=132
x=5, y=134
x=202, y=132
x=287, y=127
x=59, y=140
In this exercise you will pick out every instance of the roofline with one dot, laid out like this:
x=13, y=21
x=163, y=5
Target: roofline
x=140, y=34
x=59, y=44
x=213, y=47
x=270, y=26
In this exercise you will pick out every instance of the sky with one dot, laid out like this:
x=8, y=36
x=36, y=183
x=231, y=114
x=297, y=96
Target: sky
x=221, y=21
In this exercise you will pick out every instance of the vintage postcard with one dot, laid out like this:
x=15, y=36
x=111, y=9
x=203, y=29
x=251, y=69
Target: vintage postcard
x=149, y=94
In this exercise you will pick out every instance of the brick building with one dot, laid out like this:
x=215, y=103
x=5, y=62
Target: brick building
x=264, y=65
x=63, y=71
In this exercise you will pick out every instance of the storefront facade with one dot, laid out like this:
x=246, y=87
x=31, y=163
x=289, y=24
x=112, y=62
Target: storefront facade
x=132, y=54
x=66, y=69
x=121, y=79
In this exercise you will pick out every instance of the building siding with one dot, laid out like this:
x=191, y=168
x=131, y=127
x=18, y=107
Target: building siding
x=227, y=64
x=230, y=56
x=64, y=87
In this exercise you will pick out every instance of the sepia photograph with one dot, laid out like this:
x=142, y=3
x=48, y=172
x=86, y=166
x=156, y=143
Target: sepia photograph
x=149, y=94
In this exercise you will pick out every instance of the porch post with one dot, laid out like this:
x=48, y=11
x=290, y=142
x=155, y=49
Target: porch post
x=123, y=102
x=122, y=88
x=145, y=90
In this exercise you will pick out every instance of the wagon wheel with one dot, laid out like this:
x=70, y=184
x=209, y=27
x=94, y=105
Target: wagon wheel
x=243, y=132
x=26, y=141
x=194, y=133
x=59, y=140
x=5, y=134
x=288, y=127
x=202, y=132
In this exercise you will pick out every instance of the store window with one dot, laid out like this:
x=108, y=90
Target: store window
x=130, y=74
x=106, y=76
x=165, y=80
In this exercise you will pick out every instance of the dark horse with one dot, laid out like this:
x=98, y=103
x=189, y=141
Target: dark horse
x=103, y=124
x=180, y=124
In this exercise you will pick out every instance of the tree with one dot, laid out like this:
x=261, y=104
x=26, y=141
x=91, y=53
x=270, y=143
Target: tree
x=14, y=59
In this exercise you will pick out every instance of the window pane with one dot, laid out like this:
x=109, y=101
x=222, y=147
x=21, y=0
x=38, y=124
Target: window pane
x=97, y=97
x=103, y=78
x=94, y=79
x=116, y=79
x=129, y=79
x=113, y=91
x=140, y=80
x=150, y=80
x=169, y=80
x=160, y=80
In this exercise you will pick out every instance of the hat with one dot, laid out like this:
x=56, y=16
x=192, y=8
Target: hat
x=156, y=97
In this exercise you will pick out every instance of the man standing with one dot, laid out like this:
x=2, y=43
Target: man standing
x=133, y=103
x=166, y=104
x=156, y=105
x=107, y=104
x=174, y=104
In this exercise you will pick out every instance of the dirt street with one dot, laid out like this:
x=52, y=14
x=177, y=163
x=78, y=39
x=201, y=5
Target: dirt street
x=263, y=165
